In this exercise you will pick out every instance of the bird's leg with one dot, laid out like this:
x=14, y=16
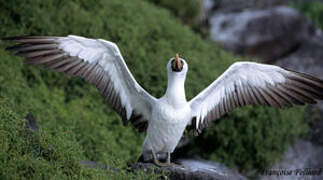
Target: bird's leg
x=171, y=164
x=161, y=164
x=168, y=158
x=156, y=161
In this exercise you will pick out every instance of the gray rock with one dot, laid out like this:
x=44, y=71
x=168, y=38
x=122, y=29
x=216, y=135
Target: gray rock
x=225, y=6
x=266, y=34
x=297, y=163
x=316, y=125
x=193, y=169
x=31, y=122
x=239, y=5
x=307, y=58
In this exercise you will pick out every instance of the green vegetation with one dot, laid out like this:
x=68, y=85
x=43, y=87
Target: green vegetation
x=312, y=10
x=250, y=138
x=186, y=10
x=43, y=155
x=76, y=124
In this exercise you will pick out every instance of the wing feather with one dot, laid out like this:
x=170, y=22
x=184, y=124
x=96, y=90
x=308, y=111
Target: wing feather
x=249, y=83
x=97, y=61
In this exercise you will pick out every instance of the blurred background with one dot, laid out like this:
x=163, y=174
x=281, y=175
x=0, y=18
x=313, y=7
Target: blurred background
x=76, y=125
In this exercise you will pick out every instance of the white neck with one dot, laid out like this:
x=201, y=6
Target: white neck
x=175, y=92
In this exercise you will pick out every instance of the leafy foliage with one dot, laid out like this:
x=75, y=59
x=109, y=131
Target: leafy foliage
x=25, y=154
x=255, y=138
x=76, y=121
x=312, y=10
x=186, y=10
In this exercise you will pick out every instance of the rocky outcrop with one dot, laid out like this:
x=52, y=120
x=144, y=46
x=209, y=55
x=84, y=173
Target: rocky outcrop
x=210, y=7
x=301, y=161
x=187, y=169
x=265, y=34
x=282, y=36
x=192, y=169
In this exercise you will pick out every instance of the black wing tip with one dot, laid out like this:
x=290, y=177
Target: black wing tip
x=306, y=75
x=17, y=38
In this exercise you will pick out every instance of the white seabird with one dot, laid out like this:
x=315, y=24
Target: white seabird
x=165, y=119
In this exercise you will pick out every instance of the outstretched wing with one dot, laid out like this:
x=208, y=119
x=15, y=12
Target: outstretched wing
x=248, y=83
x=96, y=60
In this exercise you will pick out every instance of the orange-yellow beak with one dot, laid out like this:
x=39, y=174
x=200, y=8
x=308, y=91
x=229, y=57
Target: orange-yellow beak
x=177, y=65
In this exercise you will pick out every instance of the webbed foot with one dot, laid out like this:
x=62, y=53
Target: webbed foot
x=164, y=164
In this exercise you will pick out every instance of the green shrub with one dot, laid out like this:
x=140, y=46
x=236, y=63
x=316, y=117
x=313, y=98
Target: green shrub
x=26, y=154
x=72, y=113
x=312, y=10
x=250, y=137
x=187, y=10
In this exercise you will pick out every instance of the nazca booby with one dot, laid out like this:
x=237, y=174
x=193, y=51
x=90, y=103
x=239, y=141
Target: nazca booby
x=165, y=119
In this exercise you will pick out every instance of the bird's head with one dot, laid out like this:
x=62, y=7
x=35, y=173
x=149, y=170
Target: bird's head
x=177, y=65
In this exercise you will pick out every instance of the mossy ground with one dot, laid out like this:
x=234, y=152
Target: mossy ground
x=76, y=124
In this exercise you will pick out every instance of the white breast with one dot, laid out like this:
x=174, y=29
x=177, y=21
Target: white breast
x=166, y=126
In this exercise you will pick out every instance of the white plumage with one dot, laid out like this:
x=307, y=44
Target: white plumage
x=165, y=119
x=239, y=74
